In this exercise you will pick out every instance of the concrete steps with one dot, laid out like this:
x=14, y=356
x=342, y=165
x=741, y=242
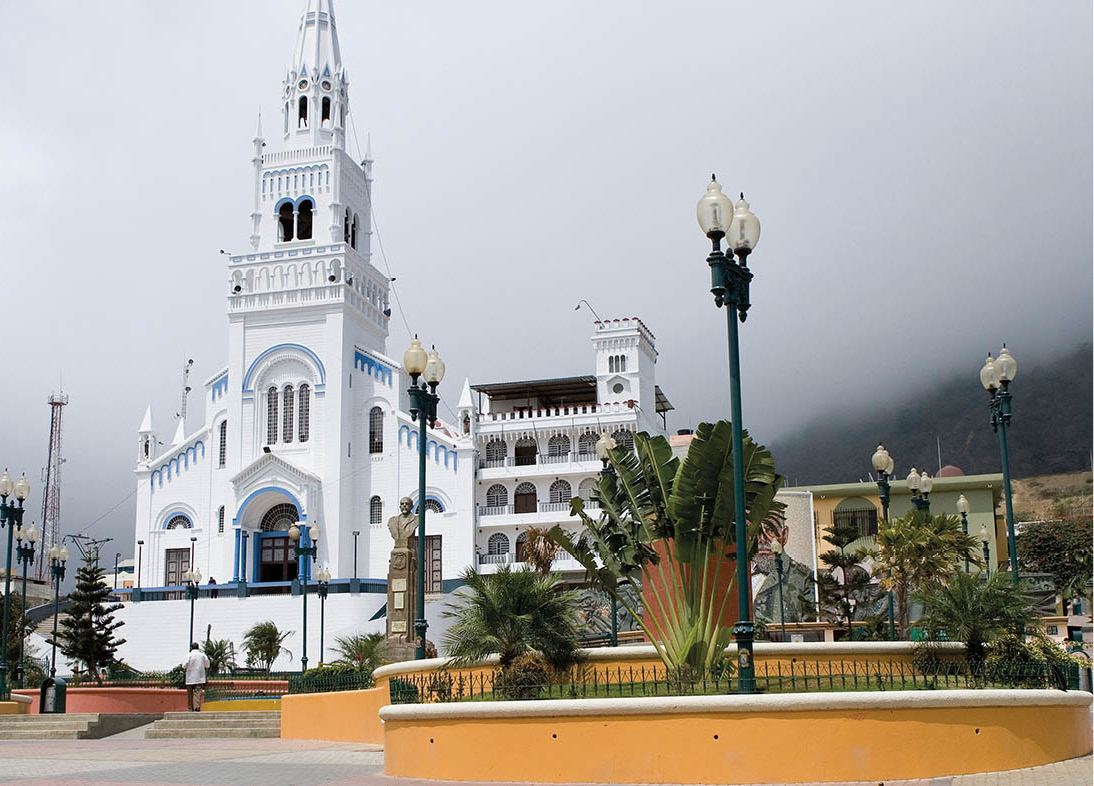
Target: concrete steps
x=191, y=725
x=77, y=726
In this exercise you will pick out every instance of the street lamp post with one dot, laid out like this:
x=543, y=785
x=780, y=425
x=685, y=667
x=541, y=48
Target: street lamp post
x=883, y=465
x=304, y=555
x=920, y=484
x=963, y=509
x=996, y=376
x=117, y=556
x=604, y=447
x=25, y=555
x=322, y=577
x=192, y=579
x=985, y=537
x=423, y=408
x=729, y=279
x=58, y=556
x=11, y=516
x=776, y=546
x=356, y=534
x=140, y=553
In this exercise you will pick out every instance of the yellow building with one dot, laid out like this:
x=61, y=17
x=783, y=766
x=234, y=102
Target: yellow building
x=859, y=503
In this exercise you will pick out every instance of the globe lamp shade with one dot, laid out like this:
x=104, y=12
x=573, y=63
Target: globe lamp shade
x=294, y=533
x=714, y=211
x=913, y=480
x=1005, y=366
x=314, y=532
x=744, y=232
x=988, y=375
x=963, y=505
x=880, y=459
x=414, y=359
x=434, y=367
x=926, y=483
x=6, y=484
x=22, y=488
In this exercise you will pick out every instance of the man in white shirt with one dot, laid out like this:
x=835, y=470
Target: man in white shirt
x=196, y=664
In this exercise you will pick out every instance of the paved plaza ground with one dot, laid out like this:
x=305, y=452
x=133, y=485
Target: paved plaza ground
x=263, y=762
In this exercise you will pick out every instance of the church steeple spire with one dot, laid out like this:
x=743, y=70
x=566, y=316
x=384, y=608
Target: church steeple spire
x=315, y=87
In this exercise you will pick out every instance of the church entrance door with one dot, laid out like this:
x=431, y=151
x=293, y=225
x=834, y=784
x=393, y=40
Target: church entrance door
x=277, y=562
x=178, y=562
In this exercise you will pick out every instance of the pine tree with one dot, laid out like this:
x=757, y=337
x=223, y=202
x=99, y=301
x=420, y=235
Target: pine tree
x=846, y=586
x=87, y=635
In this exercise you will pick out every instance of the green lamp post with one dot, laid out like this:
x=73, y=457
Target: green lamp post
x=193, y=580
x=996, y=376
x=11, y=516
x=304, y=556
x=322, y=587
x=776, y=547
x=604, y=447
x=58, y=556
x=963, y=508
x=883, y=465
x=423, y=408
x=25, y=555
x=920, y=484
x=985, y=538
x=729, y=282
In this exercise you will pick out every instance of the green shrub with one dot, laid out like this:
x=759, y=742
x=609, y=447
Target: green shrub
x=177, y=676
x=403, y=691
x=524, y=677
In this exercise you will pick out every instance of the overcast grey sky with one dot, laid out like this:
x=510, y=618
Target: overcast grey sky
x=922, y=172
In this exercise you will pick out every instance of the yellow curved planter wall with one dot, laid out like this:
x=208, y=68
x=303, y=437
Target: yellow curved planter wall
x=764, y=746
x=342, y=716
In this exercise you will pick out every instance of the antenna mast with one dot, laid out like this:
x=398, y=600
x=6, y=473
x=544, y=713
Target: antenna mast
x=51, y=496
x=185, y=389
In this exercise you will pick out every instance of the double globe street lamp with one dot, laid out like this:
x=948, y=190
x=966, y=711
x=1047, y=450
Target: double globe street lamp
x=11, y=516
x=192, y=578
x=322, y=587
x=729, y=281
x=304, y=556
x=883, y=465
x=996, y=375
x=920, y=484
x=58, y=556
x=963, y=508
x=25, y=555
x=423, y=408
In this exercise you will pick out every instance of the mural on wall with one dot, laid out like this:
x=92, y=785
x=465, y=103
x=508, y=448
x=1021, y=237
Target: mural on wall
x=798, y=596
x=595, y=609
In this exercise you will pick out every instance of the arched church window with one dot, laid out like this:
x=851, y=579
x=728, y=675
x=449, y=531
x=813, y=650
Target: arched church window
x=304, y=413
x=220, y=520
x=558, y=445
x=285, y=219
x=345, y=227
x=353, y=232
x=624, y=438
x=288, y=400
x=498, y=544
x=179, y=521
x=560, y=492
x=302, y=115
x=497, y=496
x=271, y=416
x=304, y=219
x=586, y=444
x=279, y=518
x=433, y=506
x=495, y=453
x=375, y=511
x=611, y=364
x=326, y=112
x=376, y=430
x=622, y=362
x=223, y=459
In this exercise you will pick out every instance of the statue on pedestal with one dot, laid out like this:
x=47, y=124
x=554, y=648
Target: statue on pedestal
x=402, y=583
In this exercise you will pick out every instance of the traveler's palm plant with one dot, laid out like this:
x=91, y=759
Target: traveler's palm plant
x=653, y=502
x=512, y=612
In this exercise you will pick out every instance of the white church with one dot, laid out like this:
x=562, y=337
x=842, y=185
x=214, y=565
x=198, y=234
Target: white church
x=307, y=420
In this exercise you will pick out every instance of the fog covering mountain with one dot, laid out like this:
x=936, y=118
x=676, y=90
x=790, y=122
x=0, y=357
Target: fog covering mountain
x=1050, y=430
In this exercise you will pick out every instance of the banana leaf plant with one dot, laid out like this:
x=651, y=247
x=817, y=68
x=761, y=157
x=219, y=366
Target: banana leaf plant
x=652, y=504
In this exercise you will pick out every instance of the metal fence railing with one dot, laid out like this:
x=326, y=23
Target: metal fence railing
x=325, y=683
x=779, y=677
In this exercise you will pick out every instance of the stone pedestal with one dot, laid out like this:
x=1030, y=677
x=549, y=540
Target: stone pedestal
x=402, y=583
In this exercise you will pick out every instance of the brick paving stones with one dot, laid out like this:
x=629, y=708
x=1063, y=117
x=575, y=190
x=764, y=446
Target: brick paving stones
x=274, y=762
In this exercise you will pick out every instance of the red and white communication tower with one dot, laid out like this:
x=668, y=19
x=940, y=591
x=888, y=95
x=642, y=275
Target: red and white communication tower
x=51, y=497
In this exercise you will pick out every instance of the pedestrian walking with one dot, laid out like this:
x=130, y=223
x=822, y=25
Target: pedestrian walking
x=196, y=664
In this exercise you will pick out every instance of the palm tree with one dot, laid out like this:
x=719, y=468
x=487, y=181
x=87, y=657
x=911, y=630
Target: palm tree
x=512, y=612
x=967, y=608
x=918, y=550
x=221, y=654
x=360, y=651
x=262, y=643
x=539, y=550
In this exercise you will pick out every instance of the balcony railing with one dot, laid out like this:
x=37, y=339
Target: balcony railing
x=541, y=507
x=568, y=411
x=540, y=459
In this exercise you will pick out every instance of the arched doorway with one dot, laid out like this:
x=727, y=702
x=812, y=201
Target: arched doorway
x=276, y=559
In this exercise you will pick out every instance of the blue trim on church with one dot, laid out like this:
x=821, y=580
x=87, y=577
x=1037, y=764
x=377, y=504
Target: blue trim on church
x=433, y=449
x=174, y=464
x=374, y=368
x=220, y=387
x=247, y=378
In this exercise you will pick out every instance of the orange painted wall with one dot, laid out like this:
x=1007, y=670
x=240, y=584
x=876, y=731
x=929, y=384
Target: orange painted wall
x=748, y=747
x=341, y=716
x=117, y=700
x=652, y=583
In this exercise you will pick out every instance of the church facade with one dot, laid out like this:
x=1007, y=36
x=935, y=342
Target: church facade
x=308, y=419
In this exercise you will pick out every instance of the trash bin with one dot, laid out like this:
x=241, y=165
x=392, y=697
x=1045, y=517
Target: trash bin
x=51, y=696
